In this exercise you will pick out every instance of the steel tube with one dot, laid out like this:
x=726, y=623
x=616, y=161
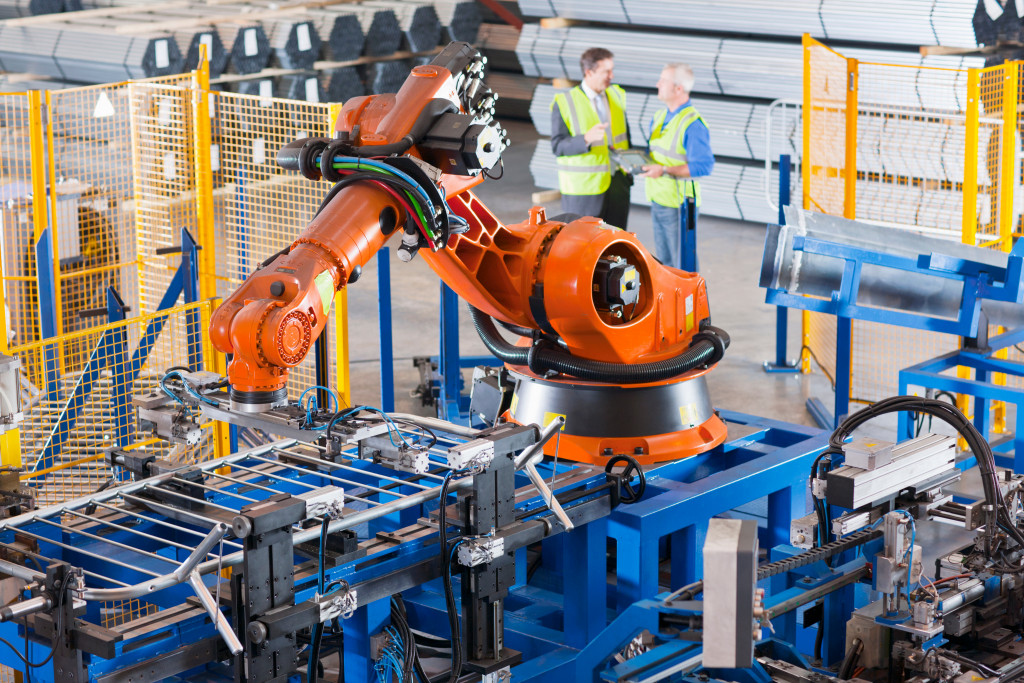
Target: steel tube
x=116, y=544
x=19, y=572
x=213, y=489
x=242, y=482
x=213, y=609
x=40, y=603
x=86, y=552
x=333, y=478
x=274, y=476
x=161, y=522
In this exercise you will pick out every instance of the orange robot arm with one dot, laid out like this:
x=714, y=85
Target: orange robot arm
x=596, y=297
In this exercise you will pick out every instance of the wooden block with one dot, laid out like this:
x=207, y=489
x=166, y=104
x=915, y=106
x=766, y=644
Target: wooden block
x=562, y=83
x=545, y=196
x=558, y=22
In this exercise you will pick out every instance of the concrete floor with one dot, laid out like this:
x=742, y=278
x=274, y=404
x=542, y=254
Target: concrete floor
x=730, y=254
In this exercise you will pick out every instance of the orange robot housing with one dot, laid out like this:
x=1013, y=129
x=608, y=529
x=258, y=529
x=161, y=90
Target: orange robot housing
x=610, y=338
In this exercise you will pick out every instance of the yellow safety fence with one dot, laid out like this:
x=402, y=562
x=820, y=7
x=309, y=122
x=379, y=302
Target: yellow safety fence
x=931, y=150
x=112, y=174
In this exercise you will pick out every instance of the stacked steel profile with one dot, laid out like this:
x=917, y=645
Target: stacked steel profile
x=348, y=48
x=745, y=55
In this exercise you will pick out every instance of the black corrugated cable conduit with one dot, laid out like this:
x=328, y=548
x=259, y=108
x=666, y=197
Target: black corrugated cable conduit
x=707, y=348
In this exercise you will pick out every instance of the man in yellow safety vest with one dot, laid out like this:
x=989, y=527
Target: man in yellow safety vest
x=585, y=122
x=680, y=146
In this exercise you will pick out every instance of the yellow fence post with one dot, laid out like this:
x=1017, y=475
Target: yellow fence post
x=850, y=164
x=202, y=140
x=970, y=191
x=341, y=346
x=805, y=185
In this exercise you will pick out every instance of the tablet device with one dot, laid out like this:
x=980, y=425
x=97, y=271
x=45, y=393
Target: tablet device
x=632, y=161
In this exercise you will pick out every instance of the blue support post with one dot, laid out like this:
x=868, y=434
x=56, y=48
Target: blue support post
x=686, y=549
x=688, y=236
x=781, y=312
x=585, y=588
x=784, y=506
x=844, y=362
x=121, y=374
x=367, y=621
x=448, y=362
x=387, y=352
x=190, y=286
x=47, y=298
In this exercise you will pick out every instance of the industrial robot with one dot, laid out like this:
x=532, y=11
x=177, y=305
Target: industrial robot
x=610, y=338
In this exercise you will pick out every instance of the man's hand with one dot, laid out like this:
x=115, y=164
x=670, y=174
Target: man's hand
x=653, y=171
x=595, y=134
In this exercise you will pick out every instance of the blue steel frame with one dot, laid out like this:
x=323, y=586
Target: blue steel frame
x=980, y=282
x=930, y=375
x=560, y=619
x=780, y=364
x=111, y=350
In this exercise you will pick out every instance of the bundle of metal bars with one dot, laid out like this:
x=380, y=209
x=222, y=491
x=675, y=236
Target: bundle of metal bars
x=498, y=43
x=249, y=48
x=421, y=29
x=460, y=19
x=734, y=190
x=907, y=22
x=341, y=32
x=305, y=86
x=344, y=84
x=738, y=125
x=87, y=54
x=725, y=66
x=294, y=43
x=28, y=8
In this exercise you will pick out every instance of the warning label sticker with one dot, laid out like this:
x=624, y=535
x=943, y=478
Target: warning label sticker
x=325, y=287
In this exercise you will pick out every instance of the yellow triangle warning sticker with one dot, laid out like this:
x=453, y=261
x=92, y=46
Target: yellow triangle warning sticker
x=104, y=107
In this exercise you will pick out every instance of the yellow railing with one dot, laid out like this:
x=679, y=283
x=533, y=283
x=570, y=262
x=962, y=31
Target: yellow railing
x=113, y=173
x=924, y=149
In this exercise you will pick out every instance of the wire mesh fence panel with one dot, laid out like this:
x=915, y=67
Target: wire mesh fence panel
x=825, y=92
x=164, y=179
x=73, y=417
x=94, y=205
x=260, y=208
x=910, y=147
x=17, y=219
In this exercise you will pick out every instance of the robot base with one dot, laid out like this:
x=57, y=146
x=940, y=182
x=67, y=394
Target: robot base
x=258, y=401
x=652, y=423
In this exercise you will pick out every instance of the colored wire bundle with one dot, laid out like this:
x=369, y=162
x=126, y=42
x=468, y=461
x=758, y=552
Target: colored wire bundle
x=446, y=578
x=175, y=374
x=312, y=406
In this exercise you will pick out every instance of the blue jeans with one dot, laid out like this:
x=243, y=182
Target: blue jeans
x=667, y=233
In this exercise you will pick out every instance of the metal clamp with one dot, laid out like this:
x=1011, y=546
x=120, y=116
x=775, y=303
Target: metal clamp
x=326, y=501
x=342, y=603
x=478, y=550
x=473, y=455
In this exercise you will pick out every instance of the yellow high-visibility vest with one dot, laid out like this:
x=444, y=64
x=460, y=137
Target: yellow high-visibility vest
x=590, y=173
x=667, y=148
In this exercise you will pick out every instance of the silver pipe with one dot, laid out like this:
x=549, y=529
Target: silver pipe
x=380, y=476
x=274, y=476
x=19, y=572
x=128, y=529
x=537, y=449
x=116, y=544
x=111, y=493
x=333, y=478
x=213, y=489
x=86, y=552
x=25, y=607
x=548, y=495
x=242, y=482
x=168, y=510
x=213, y=609
x=143, y=517
x=192, y=498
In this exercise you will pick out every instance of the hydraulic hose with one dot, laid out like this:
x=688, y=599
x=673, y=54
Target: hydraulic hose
x=707, y=348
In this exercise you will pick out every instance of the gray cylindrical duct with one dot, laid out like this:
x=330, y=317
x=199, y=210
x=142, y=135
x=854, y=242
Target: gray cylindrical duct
x=304, y=86
x=10, y=9
x=419, y=23
x=344, y=84
x=341, y=32
x=294, y=43
x=247, y=46
x=380, y=26
x=385, y=77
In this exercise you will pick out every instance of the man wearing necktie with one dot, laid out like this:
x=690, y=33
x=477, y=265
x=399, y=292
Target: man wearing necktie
x=680, y=146
x=585, y=122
